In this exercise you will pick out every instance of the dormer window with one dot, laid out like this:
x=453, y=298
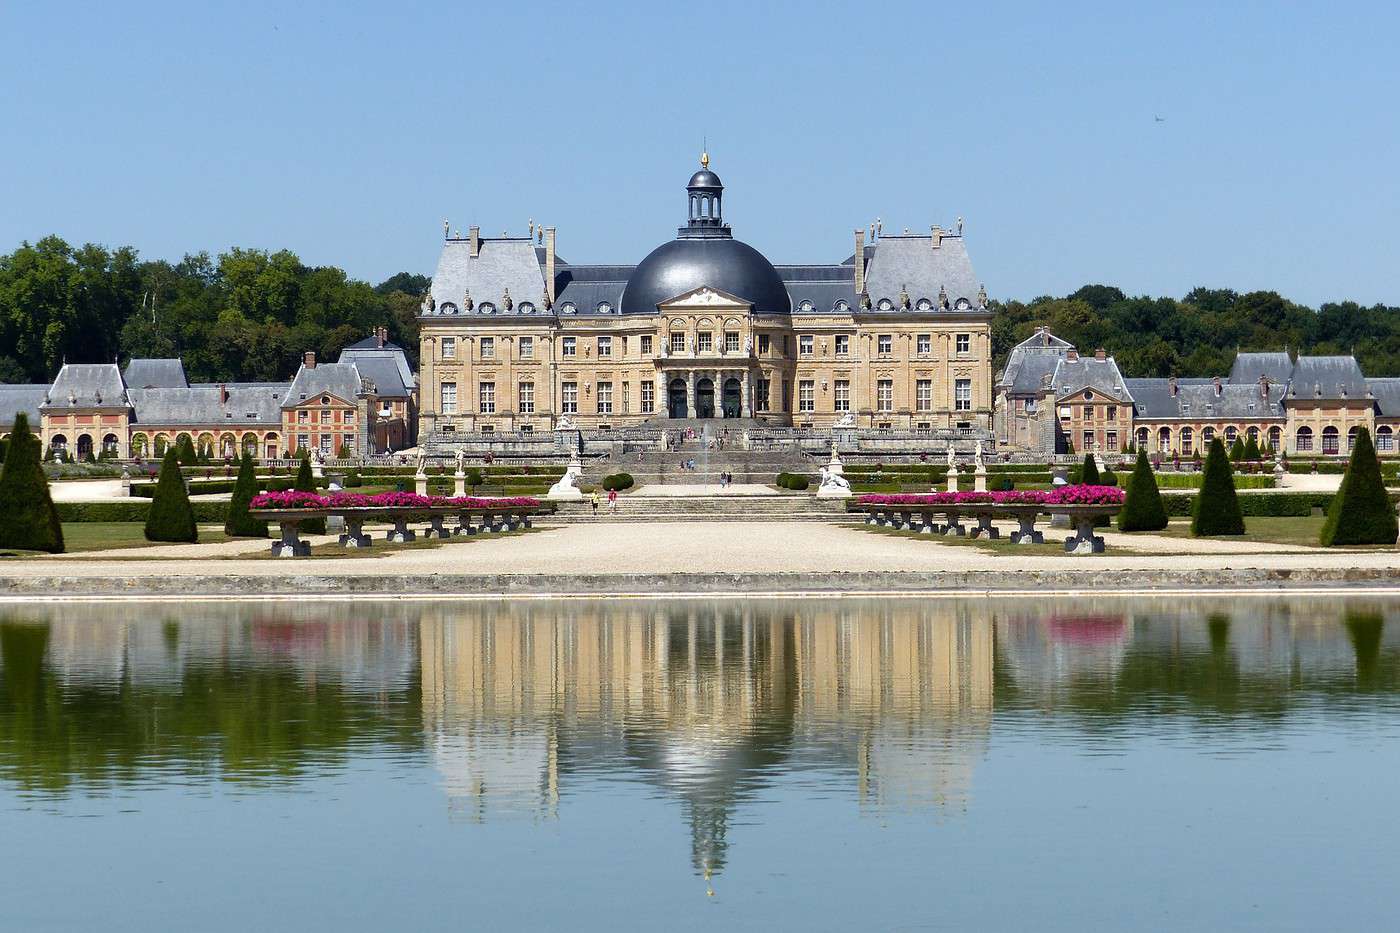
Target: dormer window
x=527, y=308
x=604, y=308
x=886, y=304
x=964, y=305
x=486, y=307
x=1088, y=396
x=842, y=306
x=447, y=307
x=325, y=400
x=924, y=305
x=806, y=305
x=568, y=307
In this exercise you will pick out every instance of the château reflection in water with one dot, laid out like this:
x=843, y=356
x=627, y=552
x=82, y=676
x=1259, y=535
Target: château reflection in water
x=519, y=708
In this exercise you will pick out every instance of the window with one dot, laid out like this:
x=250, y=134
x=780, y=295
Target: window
x=763, y=343
x=806, y=396
x=1111, y=413
x=731, y=341
x=487, y=428
x=1088, y=440
x=626, y=397
x=327, y=440
x=604, y=346
x=804, y=345
x=449, y=398
x=1230, y=434
x=646, y=344
x=527, y=398
x=1351, y=437
x=1305, y=439
x=843, y=344
x=1142, y=438
x=787, y=394
x=884, y=344
x=568, y=401
x=884, y=395
x=885, y=427
x=963, y=343
x=570, y=346
x=923, y=395
x=1186, y=439
x=449, y=348
x=1329, y=441
x=526, y=429
x=704, y=341
x=1385, y=438
x=761, y=398
x=527, y=348
x=962, y=395
x=488, y=348
x=923, y=344
x=1207, y=435
x=648, y=398
x=605, y=398
x=1088, y=413
x=303, y=442
x=302, y=416
x=677, y=341
x=486, y=394
x=843, y=395
x=1111, y=440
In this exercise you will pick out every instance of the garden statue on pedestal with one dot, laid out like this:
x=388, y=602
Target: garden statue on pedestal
x=565, y=488
x=459, y=478
x=979, y=473
x=952, y=470
x=833, y=485
x=420, y=476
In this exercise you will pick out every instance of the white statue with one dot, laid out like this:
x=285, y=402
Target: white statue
x=848, y=420
x=565, y=488
x=833, y=486
x=461, y=458
x=834, y=465
x=952, y=459
x=565, y=423
x=977, y=456
x=422, y=463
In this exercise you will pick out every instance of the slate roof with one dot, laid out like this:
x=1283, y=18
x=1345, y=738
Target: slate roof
x=16, y=398
x=87, y=385
x=910, y=263
x=1196, y=399
x=372, y=343
x=1248, y=367
x=1329, y=377
x=584, y=296
x=151, y=374
x=383, y=369
x=249, y=403
x=1087, y=372
x=500, y=264
x=1386, y=391
x=339, y=379
x=1031, y=361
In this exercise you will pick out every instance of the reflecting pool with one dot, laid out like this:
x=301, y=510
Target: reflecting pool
x=964, y=764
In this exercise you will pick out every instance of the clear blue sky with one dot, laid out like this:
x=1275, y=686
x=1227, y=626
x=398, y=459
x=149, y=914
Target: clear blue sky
x=347, y=132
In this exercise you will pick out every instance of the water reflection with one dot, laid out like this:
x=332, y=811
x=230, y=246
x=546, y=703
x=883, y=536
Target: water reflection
x=521, y=709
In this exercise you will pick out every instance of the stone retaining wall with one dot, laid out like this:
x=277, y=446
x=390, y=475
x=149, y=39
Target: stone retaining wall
x=60, y=586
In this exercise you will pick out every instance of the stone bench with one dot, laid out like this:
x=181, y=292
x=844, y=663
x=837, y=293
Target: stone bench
x=489, y=520
x=920, y=517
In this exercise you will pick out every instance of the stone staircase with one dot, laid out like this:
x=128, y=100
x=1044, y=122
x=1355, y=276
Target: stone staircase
x=665, y=467
x=794, y=507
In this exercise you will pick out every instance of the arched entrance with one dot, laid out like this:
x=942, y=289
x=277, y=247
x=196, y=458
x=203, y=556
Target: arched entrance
x=675, y=398
x=84, y=446
x=732, y=399
x=705, y=399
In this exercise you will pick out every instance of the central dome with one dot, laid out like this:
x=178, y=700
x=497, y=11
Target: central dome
x=722, y=263
x=705, y=253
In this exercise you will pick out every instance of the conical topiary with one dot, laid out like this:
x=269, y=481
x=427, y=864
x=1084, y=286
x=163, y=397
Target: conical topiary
x=1237, y=451
x=1361, y=511
x=1217, y=508
x=28, y=519
x=184, y=450
x=1142, y=501
x=171, y=518
x=1251, y=449
x=239, y=523
x=306, y=482
x=1089, y=473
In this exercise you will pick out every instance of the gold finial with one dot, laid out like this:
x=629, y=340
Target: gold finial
x=705, y=160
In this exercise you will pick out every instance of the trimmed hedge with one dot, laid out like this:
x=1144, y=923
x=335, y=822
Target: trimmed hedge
x=306, y=482
x=618, y=481
x=1217, y=509
x=1142, y=504
x=239, y=523
x=28, y=520
x=1193, y=481
x=797, y=481
x=170, y=517
x=1361, y=512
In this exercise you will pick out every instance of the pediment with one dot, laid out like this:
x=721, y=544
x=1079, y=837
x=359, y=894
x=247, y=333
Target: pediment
x=704, y=297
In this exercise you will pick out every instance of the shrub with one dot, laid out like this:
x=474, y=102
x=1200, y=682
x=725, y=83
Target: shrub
x=353, y=479
x=28, y=519
x=239, y=523
x=1237, y=450
x=1089, y=472
x=1002, y=483
x=618, y=481
x=1108, y=477
x=306, y=482
x=1142, y=509
x=1217, y=510
x=170, y=517
x=1361, y=512
x=344, y=452
x=798, y=481
x=474, y=477
x=184, y=451
x=1251, y=449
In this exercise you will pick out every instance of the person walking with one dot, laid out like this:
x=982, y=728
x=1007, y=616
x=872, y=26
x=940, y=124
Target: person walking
x=612, y=501
x=593, y=500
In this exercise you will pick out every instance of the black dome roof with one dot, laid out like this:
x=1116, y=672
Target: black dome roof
x=704, y=179
x=688, y=263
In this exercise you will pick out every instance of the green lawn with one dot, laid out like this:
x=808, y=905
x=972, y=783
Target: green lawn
x=96, y=536
x=1261, y=530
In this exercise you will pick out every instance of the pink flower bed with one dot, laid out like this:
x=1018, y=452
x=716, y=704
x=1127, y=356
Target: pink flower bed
x=1062, y=495
x=391, y=500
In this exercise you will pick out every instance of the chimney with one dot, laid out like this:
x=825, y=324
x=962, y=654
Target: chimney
x=549, y=263
x=1072, y=355
x=1100, y=354
x=936, y=233
x=223, y=394
x=1216, y=382
x=381, y=335
x=860, y=262
x=308, y=359
x=1171, y=386
x=474, y=239
x=1264, y=388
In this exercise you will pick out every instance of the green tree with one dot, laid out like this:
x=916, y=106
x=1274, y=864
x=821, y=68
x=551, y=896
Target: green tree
x=185, y=452
x=171, y=518
x=1089, y=472
x=1237, y=451
x=1217, y=508
x=28, y=519
x=1142, y=502
x=1361, y=511
x=1251, y=449
x=306, y=482
x=239, y=523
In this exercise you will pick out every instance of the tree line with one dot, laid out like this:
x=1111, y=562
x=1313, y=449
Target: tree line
x=1199, y=334
x=248, y=314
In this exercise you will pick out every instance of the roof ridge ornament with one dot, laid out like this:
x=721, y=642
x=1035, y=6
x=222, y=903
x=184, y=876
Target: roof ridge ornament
x=705, y=158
